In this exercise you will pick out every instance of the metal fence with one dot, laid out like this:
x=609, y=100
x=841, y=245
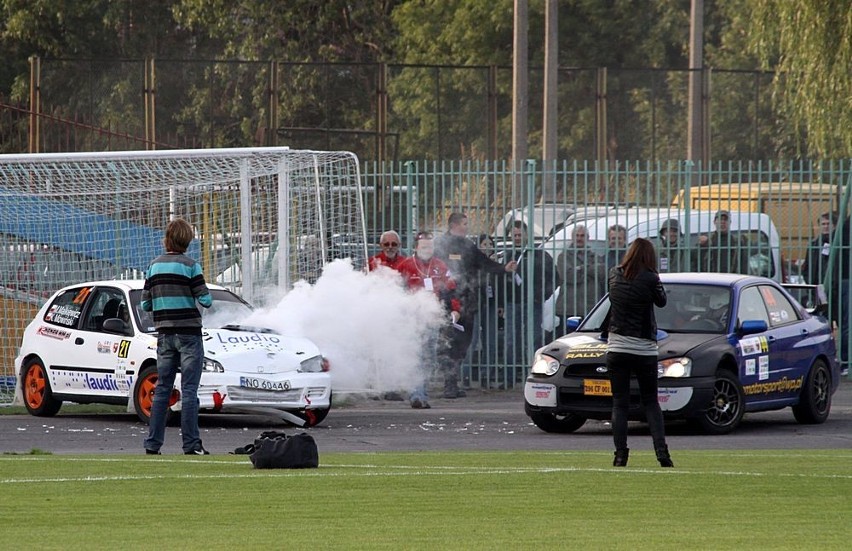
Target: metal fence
x=781, y=205
x=392, y=111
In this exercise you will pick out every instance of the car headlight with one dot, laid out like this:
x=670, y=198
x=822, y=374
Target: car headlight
x=674, y=367
x=545, y=365
x=212, y=366
x=312, y=365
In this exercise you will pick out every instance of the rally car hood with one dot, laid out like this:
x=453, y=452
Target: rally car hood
x=255, y=350
x=575, y=347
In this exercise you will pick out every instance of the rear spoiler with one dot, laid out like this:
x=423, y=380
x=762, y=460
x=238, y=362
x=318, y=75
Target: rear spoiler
x=811, y=297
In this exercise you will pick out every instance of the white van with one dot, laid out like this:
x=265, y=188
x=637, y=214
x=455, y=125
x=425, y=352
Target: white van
x=764, y=244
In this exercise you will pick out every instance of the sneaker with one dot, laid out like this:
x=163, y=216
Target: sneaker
x=844, y=372
x=198, y=451
x=152, y=452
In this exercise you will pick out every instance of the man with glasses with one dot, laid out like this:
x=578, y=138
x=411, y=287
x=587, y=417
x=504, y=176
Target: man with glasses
x=390, y=255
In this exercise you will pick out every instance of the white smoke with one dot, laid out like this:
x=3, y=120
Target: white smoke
x=369, y=326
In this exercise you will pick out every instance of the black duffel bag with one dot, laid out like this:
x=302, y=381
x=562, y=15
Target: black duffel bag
x=276, y=450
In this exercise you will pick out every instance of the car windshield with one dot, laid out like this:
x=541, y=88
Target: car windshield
x=227, y=309
x=689, y=309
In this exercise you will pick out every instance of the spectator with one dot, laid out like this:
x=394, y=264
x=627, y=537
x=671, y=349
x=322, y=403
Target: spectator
x=669, y=249
x=842, y=272
x=616, y=246
x=423, y=271
x=582, y=276
x=816, y=262
x=465, y=262
x=534, y=281
x=174, y=283
x=631, y=331
x=488, y=317
x=721, y=251
x=390, y=254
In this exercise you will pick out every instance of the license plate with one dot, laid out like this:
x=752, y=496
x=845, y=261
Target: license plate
x=263, y=384
x=596, y=387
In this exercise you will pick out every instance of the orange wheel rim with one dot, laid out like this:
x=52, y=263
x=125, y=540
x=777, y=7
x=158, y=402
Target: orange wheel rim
x=35, y=386
x=146, y=393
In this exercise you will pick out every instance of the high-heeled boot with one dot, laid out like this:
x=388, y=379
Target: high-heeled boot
x=620, y=459
x=663, y=456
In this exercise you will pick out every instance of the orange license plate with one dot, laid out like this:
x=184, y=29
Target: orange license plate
x=596, y=387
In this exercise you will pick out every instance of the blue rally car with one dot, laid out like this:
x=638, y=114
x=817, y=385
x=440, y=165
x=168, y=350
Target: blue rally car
x=728, y=344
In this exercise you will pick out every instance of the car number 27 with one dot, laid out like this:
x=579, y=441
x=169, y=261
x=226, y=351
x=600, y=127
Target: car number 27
x=263, y=384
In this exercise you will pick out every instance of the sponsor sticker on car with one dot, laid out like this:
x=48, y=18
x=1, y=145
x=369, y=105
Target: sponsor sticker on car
x=539, y=394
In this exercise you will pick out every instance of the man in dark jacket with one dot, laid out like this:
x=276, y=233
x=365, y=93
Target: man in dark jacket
x=721, y=251
x=534, y=282
x=465, y=261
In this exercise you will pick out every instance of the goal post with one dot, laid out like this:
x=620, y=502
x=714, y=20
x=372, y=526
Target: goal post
x=263, y=217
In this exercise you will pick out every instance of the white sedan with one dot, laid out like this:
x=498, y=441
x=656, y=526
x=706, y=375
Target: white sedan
x=93, y=343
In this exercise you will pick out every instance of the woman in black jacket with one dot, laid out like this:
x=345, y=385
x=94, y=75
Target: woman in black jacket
x=634, y=289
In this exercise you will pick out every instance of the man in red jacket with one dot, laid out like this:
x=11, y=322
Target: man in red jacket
x=423, y=271
x=389, y=255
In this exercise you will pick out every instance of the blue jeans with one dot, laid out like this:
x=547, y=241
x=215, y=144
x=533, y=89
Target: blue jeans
x=184, y=353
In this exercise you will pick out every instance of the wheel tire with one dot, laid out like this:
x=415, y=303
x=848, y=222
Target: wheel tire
x=559, y=424
x=727, y=407
x=143, y=395
x=815, y=401
x=38, y=396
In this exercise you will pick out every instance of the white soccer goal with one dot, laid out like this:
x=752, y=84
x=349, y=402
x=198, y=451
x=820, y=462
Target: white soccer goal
x=263, y=216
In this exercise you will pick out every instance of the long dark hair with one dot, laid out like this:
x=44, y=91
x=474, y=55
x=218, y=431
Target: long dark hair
x=640, y=256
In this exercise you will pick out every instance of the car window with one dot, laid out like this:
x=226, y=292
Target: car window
x=694, y=308
x=227, y=309
x=67, y=307
x=781, y=311
x=751, y=306
x=105, y=303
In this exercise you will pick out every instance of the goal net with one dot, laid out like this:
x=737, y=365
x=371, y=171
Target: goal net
x=263, y=217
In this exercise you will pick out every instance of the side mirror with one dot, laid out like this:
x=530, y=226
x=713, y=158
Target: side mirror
x=750, y=327
x=116, y=326
x=572, y=323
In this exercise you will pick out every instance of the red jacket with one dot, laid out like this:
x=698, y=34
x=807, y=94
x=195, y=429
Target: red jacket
x=381, y=259
x=415, y=272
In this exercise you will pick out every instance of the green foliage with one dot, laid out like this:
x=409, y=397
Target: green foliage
x=435, y=500
x=809, y=43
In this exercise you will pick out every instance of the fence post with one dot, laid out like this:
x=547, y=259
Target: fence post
x=35, y=104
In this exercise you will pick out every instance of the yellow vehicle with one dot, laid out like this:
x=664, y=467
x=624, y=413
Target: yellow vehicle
x=794, y=207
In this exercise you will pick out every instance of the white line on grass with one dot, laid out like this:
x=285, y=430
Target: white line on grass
x=403, y=470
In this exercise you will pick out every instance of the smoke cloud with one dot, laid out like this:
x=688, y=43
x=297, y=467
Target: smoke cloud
x=373, y=331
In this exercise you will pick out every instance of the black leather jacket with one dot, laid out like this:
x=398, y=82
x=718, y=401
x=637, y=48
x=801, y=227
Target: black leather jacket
x=631, y=311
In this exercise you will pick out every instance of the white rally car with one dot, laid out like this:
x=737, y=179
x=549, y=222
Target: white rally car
x=93, y=343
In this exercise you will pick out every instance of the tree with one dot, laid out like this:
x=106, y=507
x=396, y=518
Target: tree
x=809, y=44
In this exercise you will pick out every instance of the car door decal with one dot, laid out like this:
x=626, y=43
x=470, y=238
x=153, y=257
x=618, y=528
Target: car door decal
x=123, y=349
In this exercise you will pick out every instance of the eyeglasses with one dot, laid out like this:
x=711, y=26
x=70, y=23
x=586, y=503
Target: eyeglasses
x=423, y=235
x=390, y=244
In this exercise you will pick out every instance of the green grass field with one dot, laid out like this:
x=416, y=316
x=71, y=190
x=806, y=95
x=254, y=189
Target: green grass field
x=448, y=500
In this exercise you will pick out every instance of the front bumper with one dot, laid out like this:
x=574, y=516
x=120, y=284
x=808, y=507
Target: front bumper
x=678, y=399
x=291, y=391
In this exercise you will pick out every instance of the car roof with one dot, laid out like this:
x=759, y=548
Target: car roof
x=126, y=284
x=636, y=217
x=729, y=280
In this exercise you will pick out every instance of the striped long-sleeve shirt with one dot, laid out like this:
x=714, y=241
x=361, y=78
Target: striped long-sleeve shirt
x=173, y=283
